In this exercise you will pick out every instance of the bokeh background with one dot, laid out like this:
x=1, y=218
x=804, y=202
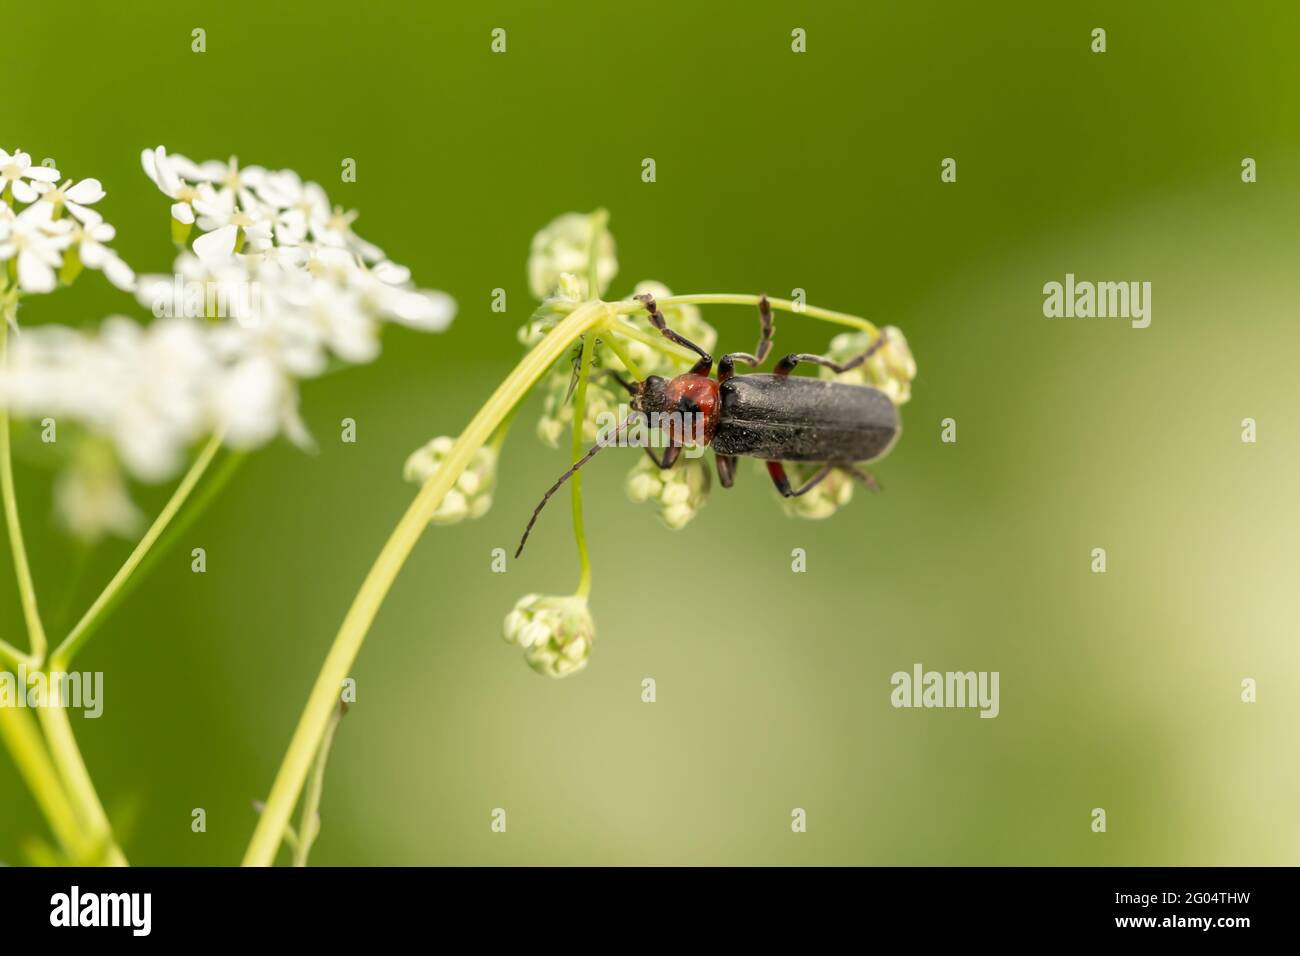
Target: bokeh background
x=775, y=171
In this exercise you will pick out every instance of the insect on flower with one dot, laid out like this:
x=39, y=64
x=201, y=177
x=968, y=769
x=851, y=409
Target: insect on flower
x=774, y=416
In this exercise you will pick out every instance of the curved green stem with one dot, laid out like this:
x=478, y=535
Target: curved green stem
x=356, y=624
x=575, y=483
x=81, y=633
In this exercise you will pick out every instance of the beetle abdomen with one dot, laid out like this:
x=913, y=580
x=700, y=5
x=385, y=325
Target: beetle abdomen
x=783, y=418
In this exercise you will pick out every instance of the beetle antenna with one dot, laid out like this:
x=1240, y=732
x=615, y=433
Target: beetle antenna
x=591, y=453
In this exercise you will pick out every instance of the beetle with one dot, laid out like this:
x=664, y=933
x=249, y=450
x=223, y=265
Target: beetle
x=773, y=416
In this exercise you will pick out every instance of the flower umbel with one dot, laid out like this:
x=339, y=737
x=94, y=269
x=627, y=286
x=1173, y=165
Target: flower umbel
x=556, y=633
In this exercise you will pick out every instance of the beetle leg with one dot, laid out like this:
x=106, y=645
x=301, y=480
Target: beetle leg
x=705, y=364
x=727, y=365
x=726, y=469
x=866, y=477
x=787, y=364
x=669, y=459
x=777, y=470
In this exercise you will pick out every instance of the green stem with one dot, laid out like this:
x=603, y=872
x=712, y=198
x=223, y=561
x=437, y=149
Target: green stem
x=23, y=740
x=630, y=307
x=309, y=828
x=653, y=340
x=197, y=506
x=356, y=624
x=618, y=350
x=26, y=587
x=14, y=657
x=75, y=776
x=81, y=633
x=575, y=483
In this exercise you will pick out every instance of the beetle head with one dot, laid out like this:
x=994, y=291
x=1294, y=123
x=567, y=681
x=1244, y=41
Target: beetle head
x=651, y=395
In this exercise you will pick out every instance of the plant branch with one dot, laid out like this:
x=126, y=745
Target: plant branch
x=631, y=307
x=75, y=776
x=81, y=633
x=360, y=616
x=23, y=740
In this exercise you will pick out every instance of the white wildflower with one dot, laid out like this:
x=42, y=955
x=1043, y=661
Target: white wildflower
x=18, y=176
x=37, y=242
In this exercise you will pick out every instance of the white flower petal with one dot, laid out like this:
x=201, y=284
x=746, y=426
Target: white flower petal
x=34, y=273
x=86, y=192
x=218, y=246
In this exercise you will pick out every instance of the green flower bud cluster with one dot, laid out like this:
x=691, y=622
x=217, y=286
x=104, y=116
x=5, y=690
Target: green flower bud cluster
x=471, y=495
x=678, y=493
x=556, y=633
x=831, y=493
x=564, y=245
x=891, y=369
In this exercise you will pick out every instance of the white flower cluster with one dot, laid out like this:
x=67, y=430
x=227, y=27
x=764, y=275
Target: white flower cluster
x=277, y=287
x=39, y=244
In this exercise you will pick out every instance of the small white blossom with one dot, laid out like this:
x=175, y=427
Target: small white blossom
x=76, y=198
x=88, y=239
x=37, y=241
x=19, y=176
x=162, y=170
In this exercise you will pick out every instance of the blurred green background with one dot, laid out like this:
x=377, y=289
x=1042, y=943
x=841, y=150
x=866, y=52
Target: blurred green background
x=775, y=171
